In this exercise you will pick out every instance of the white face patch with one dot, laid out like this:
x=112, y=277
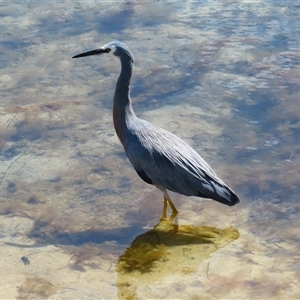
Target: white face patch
x=118, y=49
x=113, y=49
x=111, y=46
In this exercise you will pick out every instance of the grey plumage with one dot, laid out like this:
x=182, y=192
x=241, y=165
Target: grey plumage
x=158, y=156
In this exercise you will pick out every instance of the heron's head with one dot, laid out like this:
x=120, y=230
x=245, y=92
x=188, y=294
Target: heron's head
x=117, y=48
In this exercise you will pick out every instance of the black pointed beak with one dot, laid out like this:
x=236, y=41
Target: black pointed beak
x=93, y=52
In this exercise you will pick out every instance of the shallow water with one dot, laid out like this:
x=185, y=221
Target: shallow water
x=222, y=75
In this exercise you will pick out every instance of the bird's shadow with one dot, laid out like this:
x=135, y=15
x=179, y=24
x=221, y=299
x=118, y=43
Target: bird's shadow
x=165, y=250
x=168, y=248
x=44, y=233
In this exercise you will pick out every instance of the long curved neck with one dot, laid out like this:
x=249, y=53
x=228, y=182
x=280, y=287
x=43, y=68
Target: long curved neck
x=122, y=109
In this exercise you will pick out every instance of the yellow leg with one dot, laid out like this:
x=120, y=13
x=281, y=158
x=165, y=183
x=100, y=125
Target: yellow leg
x=167, y=200
x=165, y=209
x=174, y=210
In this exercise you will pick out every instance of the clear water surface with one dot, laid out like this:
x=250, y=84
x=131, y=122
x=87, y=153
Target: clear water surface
x=222, y=75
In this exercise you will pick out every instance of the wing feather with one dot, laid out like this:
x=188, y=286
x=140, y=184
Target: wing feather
x=169, y=162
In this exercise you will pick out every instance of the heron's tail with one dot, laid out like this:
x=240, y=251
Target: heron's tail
x=220, y=193
x=230, y=199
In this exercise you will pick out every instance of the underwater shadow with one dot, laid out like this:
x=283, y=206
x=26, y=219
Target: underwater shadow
x=167, y=249
x=44, y=233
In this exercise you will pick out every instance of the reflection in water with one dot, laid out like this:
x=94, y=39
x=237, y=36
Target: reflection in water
x=167, y=249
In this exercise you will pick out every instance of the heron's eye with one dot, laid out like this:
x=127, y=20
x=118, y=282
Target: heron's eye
x=107, y=50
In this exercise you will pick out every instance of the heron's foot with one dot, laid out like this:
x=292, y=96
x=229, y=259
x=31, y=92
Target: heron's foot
x=167, y=201
x=163, y=217
x=171, y=218
x=174, y=209
x=173, y=215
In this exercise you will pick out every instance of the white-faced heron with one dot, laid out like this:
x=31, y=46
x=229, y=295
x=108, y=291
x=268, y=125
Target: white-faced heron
x=159, y=157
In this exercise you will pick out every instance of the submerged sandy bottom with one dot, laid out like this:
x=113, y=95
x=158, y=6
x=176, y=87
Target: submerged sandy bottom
x=225, y=78
x=75, y=229
x=173, y=263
